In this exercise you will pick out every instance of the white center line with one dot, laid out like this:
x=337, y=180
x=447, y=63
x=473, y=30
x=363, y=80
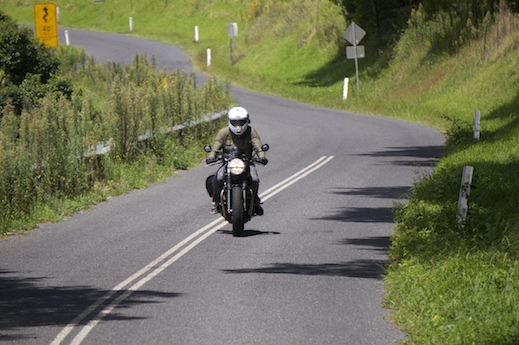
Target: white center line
x=202, y=234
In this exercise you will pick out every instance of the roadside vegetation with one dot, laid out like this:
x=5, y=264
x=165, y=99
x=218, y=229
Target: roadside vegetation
x=431, y=62
x=59, y=109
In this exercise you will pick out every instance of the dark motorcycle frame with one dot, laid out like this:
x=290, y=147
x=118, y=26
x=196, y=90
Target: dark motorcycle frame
x=237, y=195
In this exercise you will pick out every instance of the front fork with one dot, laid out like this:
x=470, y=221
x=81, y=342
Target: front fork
x=225, y=200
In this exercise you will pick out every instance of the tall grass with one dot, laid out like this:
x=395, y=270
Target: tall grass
x=48, y=153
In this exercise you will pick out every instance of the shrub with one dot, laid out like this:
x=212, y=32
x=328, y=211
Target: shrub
x=48, y=149
x=24, y=62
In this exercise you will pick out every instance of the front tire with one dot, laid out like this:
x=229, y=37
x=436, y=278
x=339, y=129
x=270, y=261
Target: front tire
x=237, y=211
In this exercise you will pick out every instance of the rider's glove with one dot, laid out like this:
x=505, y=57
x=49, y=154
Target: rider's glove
x=210, y=160
x=263, y=161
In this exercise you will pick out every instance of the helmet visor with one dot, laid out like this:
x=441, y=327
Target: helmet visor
x=239, y=123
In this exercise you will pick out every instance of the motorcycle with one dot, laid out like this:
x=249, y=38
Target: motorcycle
x=236, y=196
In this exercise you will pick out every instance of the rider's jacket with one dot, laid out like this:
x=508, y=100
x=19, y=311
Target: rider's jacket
x=248, y=141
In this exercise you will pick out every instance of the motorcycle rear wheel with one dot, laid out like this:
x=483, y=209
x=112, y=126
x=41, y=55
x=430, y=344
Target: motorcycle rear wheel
x=237, y=211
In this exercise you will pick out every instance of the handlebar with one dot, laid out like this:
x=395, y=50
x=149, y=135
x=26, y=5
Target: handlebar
x=258, y=160
x=220, y=159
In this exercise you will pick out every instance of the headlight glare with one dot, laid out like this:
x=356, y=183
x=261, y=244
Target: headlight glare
x=237, y=166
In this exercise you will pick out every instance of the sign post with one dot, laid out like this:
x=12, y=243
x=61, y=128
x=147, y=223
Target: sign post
x=232, y=30
x=354, y=34
x=46, y=23
x=99, y=1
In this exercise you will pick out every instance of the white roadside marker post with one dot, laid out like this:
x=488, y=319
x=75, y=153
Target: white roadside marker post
x=464, y=196
x=477, y=125
x=345, y=89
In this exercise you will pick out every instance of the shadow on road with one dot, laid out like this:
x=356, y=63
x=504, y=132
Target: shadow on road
x=370, y=269
x=398, y=192
x=367, y=214
x=29, y=302
x=375, y=243
x=249, y=233
x=425, y=156
x=361, y=215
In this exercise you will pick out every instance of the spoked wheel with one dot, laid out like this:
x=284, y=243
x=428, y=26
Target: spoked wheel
x=237, y=211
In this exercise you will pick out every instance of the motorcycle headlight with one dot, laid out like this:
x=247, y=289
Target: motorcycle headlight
x=237, y=166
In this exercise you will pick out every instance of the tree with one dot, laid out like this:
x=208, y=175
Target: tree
x=514, y=5
x=383, y=18
x=22, y=56
x=21, y=53
x=475, y=10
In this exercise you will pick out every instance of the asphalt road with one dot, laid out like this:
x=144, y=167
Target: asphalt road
x=155, y=267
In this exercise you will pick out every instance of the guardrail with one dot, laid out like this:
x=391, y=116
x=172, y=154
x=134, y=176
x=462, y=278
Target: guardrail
x=103, y=147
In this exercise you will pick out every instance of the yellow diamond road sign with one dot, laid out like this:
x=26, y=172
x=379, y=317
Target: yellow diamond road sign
x=46, y=23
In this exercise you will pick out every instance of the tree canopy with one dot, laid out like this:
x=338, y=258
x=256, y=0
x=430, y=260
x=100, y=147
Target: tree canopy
x=385, y=18
x=25, y=63
x=21, y=53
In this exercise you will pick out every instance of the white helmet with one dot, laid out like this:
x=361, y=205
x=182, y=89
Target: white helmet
x=238, y=120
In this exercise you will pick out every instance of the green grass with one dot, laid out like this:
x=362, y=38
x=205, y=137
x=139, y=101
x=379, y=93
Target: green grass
x=446, y=285
x=465, y=298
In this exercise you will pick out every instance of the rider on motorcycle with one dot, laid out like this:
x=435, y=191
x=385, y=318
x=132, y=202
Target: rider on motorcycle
x=238, y=134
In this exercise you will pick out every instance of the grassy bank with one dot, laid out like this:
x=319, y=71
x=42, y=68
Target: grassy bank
x=447, y=285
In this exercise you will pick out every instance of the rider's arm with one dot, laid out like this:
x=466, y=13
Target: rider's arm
x=256, y=143
x=219, y=141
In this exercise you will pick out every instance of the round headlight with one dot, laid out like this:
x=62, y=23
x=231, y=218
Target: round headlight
x=237, y=166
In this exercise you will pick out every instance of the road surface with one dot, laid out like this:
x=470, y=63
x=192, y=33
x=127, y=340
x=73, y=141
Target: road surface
x=155, y=267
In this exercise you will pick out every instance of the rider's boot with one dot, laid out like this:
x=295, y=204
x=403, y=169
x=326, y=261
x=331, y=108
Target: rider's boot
x=258, y=210
x=214, y=209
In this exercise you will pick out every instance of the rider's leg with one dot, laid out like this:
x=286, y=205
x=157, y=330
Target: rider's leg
x=217, y=189
x=255, y=186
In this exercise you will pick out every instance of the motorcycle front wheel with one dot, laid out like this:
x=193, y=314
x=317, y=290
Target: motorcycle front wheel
x=237, y=211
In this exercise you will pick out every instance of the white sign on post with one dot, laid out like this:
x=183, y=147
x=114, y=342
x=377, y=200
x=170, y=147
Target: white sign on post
x=232, y=30
x=354, y=34
x=352, y=53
